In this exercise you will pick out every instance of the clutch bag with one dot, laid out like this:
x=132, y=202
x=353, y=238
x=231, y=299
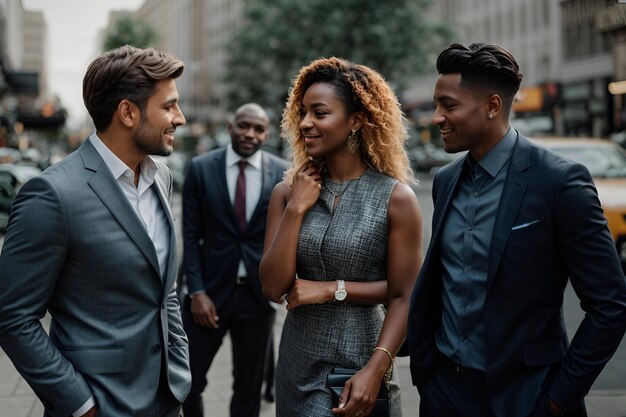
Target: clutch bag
x=335, y=381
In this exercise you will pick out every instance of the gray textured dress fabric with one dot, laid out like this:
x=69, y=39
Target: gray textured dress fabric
x=350, y=243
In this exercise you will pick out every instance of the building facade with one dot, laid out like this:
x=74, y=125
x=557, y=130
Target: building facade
x=530, y=29
x=564, y=51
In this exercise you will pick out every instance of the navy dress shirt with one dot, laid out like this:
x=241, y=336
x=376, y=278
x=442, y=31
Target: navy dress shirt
x=465, y=244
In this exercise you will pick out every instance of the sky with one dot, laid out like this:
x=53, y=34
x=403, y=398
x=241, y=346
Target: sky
x=73, y=27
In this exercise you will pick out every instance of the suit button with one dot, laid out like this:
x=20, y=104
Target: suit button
x=156, y=349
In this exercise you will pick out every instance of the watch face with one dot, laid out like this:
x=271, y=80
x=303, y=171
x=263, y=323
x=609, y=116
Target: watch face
x=340, y=295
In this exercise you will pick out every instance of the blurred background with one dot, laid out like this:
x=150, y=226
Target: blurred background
x=572, y=54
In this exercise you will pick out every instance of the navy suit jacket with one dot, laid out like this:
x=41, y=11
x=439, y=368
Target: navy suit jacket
x=549, y=227
x=213, y=243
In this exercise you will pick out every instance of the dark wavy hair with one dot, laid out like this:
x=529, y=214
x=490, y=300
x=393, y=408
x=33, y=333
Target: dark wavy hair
x=482, y=66
x=125, y=73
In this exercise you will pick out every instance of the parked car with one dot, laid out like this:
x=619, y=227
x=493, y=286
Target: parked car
x=9, y=155
x=12, y=177
x=606, y=161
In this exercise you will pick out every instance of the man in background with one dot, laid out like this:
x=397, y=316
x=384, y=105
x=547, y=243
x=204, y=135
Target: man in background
x=225, y=200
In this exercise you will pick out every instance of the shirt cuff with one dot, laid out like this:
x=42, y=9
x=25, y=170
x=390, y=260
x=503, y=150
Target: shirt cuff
x=193, y=294
x=86, y=407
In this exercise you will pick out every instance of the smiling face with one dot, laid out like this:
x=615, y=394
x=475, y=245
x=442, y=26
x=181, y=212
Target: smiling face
x=249, y=131
x=462, y=116
x=324, y=121
x=159, y=120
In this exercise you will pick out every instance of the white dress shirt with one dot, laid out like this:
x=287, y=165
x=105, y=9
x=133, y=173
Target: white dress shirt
x=146, y=204
x=254, y=182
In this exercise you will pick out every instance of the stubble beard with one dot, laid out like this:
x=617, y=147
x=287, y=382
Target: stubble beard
x=144, y=143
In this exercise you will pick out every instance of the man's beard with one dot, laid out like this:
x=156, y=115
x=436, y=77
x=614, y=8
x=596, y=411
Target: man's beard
x=144, y=141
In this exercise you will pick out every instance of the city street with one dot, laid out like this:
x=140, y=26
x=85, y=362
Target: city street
x=606, y=399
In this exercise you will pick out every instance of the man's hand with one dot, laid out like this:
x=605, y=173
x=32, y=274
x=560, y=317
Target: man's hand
x=91, y=412
x=554, y=408
x=203, y=311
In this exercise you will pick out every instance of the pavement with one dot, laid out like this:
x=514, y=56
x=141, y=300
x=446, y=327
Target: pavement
x=18, y=400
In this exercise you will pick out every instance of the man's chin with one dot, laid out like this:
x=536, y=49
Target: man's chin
x=245, y=153
x=163, y=152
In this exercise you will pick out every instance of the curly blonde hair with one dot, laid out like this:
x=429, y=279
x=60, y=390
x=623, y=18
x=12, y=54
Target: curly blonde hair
x=360, y=88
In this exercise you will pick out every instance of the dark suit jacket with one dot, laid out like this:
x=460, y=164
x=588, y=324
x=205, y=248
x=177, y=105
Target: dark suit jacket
x=565, y=236
x=213, y=244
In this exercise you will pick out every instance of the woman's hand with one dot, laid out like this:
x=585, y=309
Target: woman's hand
x=304, y=291
x=358, y=396
x=305, y=188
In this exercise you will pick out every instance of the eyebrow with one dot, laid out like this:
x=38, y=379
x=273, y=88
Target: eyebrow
x=444, y=97
x=171, y=101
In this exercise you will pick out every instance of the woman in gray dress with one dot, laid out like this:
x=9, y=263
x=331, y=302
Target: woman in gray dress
x=343, y=239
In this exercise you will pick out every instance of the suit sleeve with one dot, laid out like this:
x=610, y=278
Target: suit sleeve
x=192, y=230
x=588, y=252
x=32, y=259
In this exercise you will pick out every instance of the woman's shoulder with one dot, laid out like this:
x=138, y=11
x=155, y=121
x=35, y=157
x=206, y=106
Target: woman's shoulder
x=378, y=177
x=282, y=187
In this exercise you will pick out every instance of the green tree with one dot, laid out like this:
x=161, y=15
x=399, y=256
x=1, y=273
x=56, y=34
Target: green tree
x=128, y=31
x=280, y=36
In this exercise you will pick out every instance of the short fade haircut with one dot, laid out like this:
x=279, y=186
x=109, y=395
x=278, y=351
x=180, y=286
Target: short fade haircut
x=487, y=67
x=128, y=73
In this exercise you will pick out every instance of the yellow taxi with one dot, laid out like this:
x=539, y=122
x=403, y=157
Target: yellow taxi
x=606, y=162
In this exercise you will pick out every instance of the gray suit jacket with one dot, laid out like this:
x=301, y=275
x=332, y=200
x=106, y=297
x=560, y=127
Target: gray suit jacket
x=75, y=247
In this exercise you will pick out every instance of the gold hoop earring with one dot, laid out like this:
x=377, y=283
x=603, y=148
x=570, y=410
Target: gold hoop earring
x=352, y=143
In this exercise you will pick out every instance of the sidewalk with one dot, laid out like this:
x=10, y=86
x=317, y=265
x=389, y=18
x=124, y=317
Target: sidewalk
x=18, y=400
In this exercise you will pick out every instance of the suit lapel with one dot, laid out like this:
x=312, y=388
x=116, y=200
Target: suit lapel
x=109, y=192
x=448, y=194
x=267, y=186
x=164, y=191
x=219, y=172
x=510, y=201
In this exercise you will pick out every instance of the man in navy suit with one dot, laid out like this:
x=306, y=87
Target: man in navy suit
x=225, y=200
x=512, y=223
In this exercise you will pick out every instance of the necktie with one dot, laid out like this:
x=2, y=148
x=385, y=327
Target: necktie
x=240, y=197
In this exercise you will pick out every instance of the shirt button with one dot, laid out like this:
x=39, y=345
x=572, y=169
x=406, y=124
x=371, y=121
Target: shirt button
x=469, y=228
x=476, y=193
x=156, y=349
x=468, y=268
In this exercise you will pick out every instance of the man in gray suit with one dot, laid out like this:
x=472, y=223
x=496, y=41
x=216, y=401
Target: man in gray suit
x=92, y=242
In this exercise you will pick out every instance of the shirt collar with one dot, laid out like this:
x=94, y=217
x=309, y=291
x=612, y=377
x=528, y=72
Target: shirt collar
x=233, y=158
x=118, y=168
x=495, y=159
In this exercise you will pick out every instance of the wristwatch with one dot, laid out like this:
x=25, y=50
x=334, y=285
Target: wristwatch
x=341, y=293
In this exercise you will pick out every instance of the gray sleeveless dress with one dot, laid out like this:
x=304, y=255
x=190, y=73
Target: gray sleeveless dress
x=349, y=243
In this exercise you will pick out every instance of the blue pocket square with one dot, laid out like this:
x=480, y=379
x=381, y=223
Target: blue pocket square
x=521, y=226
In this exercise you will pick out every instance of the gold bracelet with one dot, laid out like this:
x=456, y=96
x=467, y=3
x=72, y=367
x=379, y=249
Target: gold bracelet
x=387, y=376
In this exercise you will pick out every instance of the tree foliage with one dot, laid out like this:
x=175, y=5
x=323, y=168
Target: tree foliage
x=280, y=36
x=128, y=31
